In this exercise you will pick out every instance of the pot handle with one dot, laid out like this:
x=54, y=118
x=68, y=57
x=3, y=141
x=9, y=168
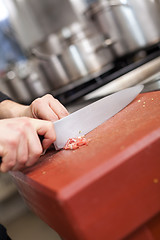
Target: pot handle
x=91, y=11
x=115, y=3
x=106, y=44
x=39, y=55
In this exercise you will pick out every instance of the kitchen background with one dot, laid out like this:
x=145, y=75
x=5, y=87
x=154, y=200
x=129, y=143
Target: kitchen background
x=78, y=51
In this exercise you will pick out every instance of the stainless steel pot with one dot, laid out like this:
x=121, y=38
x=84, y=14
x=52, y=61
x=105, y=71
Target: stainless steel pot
x=73, y=54
x=24, y=82
x=57, y=61
x=147, y=13
x=52, y=68
x=126, y=23
x=87, y=51
x=15, y=88
x=63, y=68
x=33, y=78
x=34, y=20
x=5, y=89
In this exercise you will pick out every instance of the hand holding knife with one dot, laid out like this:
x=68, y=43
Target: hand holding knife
x=20, y=126
x=20, y=145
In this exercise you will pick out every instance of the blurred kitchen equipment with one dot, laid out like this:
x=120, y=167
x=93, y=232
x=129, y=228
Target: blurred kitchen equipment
x=24, y=82
x=52, y=68
x=148, y=72
x=144, y=65
x=15, y=88
x=109, y=39
x=147, y=14
x=57, y=61
x=87, y=43
x=33, y=78
x=72, y=54
x=131, y=25
x=152, y=83
x=34, y=20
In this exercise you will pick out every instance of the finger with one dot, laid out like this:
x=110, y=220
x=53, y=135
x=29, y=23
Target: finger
x=8, y=160
x=46, y=113
x=48, y=133
x=46, y=129
x=46, y=143
x=34, y=148
x=22, y=153
x=58, y=108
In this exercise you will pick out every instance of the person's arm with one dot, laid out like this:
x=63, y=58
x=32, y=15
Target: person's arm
x=3, y=233
x=4, y=97
x=46, y=108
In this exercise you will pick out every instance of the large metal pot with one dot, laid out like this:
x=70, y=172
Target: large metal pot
x=73, y=54
x=24, y=82
x=32, y=77
x=86, y=48
x=34, y=20
x=129, y=24
x=15, y=88
x=52, y=68
x=147, y=13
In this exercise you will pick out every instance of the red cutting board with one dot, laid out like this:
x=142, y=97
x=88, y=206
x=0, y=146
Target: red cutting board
x=108, y=189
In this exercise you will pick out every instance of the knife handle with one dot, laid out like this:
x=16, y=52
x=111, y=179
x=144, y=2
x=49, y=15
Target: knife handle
x=41, y=139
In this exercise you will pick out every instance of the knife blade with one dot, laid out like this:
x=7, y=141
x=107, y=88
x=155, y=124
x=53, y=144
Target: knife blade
x=86, y=119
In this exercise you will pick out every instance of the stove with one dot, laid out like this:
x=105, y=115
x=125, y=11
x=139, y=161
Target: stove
x=125, y=72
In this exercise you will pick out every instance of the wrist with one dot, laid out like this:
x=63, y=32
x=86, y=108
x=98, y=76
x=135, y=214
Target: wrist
x=10, y=109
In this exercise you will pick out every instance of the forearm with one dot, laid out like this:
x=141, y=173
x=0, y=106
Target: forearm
x=10, y=109
x=46, y=108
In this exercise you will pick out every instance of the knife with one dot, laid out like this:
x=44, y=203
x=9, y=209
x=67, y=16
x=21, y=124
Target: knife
x=86, y=119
